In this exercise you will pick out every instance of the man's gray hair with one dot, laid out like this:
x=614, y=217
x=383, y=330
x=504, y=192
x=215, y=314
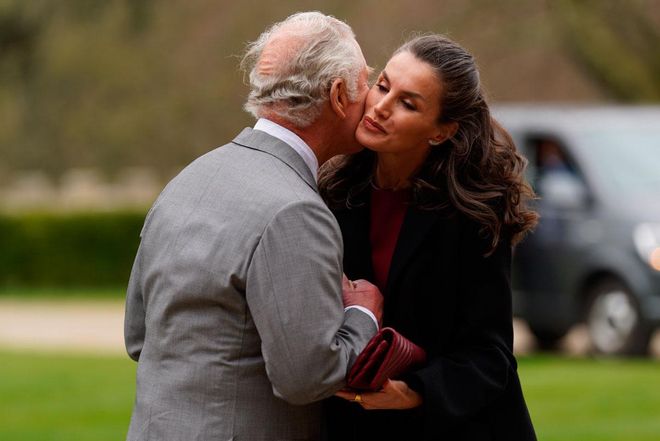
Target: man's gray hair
x=323, y=49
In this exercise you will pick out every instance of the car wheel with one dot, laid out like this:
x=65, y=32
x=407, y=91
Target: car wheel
x=614, y=321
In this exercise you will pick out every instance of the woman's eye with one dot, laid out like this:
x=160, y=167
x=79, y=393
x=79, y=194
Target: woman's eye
x=408, y=105
x=381, y=87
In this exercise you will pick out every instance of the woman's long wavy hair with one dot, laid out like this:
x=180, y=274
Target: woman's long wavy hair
x=477, y=171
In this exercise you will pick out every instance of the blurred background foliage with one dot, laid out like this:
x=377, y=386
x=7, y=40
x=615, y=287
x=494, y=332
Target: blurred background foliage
x=68, y=250
x=616, y=43
x=110, y=84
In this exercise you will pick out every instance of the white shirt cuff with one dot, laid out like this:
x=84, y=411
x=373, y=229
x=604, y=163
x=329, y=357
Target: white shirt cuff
x=366, y=311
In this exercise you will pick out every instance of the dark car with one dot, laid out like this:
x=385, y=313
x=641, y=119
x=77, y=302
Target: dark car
x=595, y=255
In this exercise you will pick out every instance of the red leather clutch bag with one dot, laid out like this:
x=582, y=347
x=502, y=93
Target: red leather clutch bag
x=387, y=355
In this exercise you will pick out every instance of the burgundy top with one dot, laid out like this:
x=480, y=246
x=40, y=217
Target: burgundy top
x=388, y=208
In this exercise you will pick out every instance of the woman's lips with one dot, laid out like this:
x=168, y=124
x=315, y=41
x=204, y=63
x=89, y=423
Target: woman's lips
x=372, y=125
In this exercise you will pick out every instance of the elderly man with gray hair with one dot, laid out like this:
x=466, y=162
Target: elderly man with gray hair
x=235, y=311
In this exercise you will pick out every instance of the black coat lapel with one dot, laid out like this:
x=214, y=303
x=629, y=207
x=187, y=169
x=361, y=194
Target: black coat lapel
x=354, y=225
x=416, y=226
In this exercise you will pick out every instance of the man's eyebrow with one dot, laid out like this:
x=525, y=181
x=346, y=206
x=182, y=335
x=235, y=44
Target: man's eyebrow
x=405, y=92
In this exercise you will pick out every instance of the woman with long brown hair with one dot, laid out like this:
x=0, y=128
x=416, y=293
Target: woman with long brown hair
x=430, y=211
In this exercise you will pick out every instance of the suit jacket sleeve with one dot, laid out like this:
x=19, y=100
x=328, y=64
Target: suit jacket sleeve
x=475, y=369
x=134, y=314
x=293, y=292
x=134, y=326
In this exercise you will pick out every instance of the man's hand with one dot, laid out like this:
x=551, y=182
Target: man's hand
x=365, y=294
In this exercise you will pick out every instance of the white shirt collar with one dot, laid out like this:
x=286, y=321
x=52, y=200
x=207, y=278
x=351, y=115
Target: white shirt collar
x=293, y=140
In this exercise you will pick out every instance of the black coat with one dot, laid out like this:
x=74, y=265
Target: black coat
x=444, y=295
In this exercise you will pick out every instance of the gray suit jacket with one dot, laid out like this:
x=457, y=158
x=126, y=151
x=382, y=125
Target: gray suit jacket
x=234, y=309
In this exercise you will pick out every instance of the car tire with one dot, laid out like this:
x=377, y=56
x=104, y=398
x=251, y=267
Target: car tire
x=614, y=321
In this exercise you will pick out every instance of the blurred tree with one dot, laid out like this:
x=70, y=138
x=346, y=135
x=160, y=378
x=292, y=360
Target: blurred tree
x=73, y=79
x=21, y=28
x=140, y=13
x=108, y=84
x=617, y=43
x=18, y=37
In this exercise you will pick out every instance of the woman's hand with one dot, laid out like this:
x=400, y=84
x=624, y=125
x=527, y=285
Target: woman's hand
x=394, y=395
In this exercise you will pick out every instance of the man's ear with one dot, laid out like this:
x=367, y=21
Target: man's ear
x=445, y=131
x=339, y=97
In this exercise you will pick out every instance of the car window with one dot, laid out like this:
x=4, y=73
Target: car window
x=548, y=159
x=627, y=162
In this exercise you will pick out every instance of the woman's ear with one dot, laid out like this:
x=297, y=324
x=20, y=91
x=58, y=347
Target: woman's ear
x=446, y=131
x=339, y=97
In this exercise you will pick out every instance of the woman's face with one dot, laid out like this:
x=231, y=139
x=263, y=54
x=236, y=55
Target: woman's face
x=402, y=108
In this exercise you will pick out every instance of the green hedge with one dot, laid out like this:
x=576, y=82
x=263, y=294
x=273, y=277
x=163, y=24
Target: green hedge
x=68, y=250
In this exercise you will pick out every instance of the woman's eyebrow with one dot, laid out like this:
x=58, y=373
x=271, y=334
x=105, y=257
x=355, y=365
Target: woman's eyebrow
x=405, y=92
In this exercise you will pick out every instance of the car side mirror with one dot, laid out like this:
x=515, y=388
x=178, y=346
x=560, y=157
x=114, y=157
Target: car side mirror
x=563, y=190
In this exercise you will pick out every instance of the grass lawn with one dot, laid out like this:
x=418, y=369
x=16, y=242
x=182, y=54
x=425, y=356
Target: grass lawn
x=66, y=397
x=38, y=294
x=53, y=397
x=585, y=400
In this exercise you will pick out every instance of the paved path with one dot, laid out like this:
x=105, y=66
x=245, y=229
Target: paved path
x=97, y=326
x=94, y=326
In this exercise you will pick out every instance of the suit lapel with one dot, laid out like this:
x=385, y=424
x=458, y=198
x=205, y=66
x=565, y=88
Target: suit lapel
x=258, y=140
x=415, y=228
